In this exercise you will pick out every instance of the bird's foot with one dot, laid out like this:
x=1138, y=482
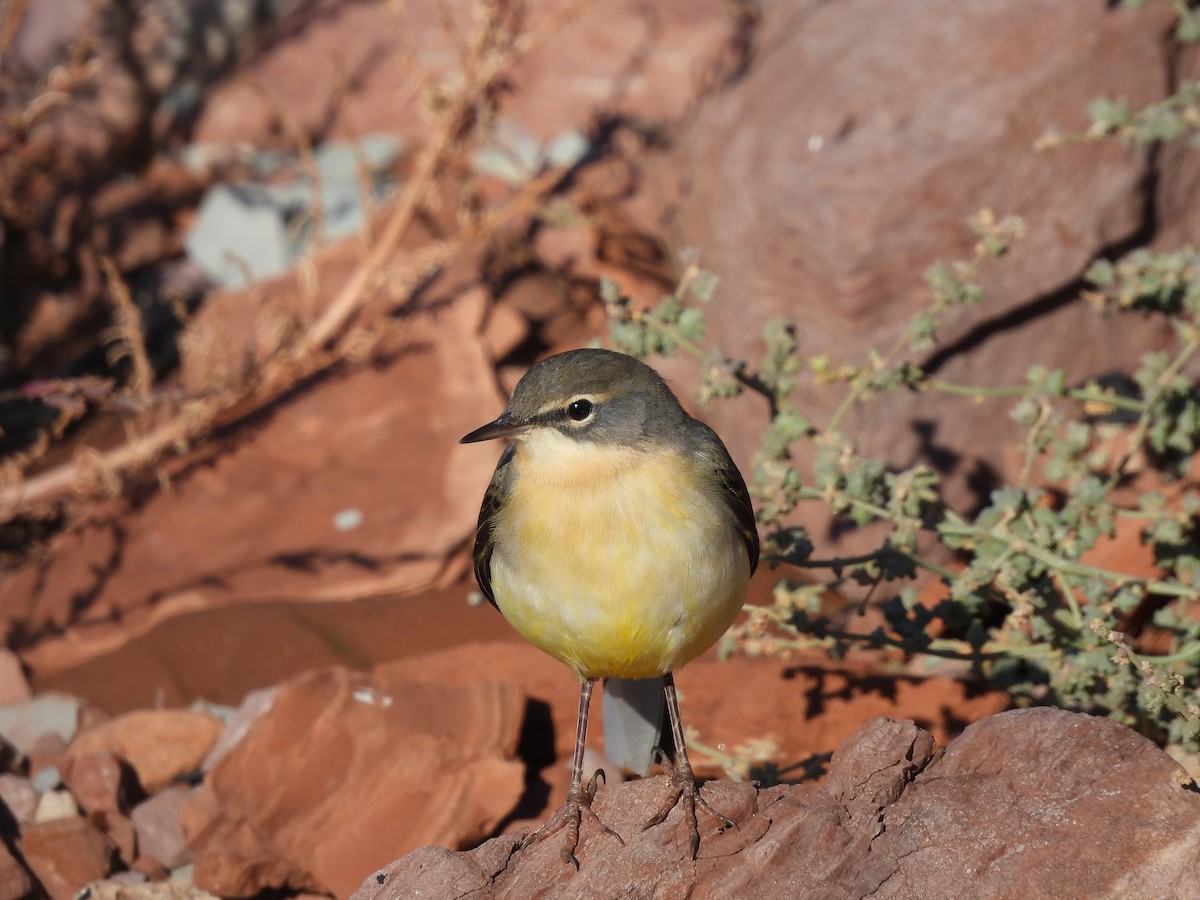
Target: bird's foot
x=684, y=789
x=578, y=806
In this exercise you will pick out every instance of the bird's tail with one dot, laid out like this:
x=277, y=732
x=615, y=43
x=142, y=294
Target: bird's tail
x=633, y=711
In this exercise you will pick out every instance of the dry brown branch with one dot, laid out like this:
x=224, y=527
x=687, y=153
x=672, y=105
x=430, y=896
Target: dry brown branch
x=57, y=483
x=95, y=473
x=63, y=82
x=308, y=160
x=491, y=52
x=127, y=339
x=352, y=133
x=451, y=30
x=494, y=47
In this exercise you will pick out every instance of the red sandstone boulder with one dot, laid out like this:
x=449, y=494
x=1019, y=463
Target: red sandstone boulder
x=15, y=883
x=849, y=158
x=344, y=771
x=159, y=744
x=67, y=854
x=1037, y=802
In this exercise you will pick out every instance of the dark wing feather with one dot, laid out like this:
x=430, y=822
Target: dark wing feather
x=484, y=540
x=733, y=491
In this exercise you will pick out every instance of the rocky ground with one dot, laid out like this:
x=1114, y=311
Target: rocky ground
x=316, y=781
x=895, y=817
x=243, y=660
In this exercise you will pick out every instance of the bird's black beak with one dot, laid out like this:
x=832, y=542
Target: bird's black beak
x=505, y=426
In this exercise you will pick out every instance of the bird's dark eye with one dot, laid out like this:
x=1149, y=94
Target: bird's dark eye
x=579, y=409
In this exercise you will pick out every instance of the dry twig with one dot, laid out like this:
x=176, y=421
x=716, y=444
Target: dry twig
x=495, y=45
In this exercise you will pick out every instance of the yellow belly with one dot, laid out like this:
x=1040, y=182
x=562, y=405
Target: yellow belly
x=620, y=565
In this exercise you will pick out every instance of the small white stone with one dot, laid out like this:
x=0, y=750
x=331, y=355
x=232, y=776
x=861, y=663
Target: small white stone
x=55, y=805
x=348, y=519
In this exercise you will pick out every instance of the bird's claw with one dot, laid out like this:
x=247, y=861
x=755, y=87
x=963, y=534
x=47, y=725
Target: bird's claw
x=684, y=788
x=578, y=805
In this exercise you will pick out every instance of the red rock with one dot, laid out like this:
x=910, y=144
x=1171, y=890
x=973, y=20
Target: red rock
x=100, y=782
x=14, y=687
x=48, y=713
x=866, y=774
x=384, y=764
x=569, y=249
x=538, y=676
x=152, y=869
x=159, y=831
x=48, y=751
x=624, y=59
x=504, y=330
x=1042, y=783
x=727, y=705
x=427, y=390
x=430, y=391
x=91, y=716
x=1178, y=170
x=66, y=854
x=1012, y=808
x=822, y=185
x=158, y=744
x=736, y=702
x=20, y=796
x=536, y=297
x=15, y=883
x=253, y=705
x=115, y=889
x=226, y=659
x=120, y=831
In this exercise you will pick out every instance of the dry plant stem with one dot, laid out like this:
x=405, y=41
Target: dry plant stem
x=308, y=160
x=59, y=482
x=494, y=49
x=64, y=80
x=362, y=167
x=200, y=415
x=129, y=336
x=485, y=62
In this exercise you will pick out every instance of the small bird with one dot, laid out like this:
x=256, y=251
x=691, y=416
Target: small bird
x=616, y=535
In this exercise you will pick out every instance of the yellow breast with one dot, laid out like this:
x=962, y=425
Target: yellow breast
x=619, y=562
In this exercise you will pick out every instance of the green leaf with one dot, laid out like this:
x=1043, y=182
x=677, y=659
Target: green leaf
x=704, y=285
x=1108, y=115
x=610, y=291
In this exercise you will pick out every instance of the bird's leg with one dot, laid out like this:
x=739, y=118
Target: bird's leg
x=579, y=798
x=683, y=780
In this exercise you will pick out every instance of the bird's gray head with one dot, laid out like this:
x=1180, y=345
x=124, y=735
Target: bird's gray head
x=590, y=395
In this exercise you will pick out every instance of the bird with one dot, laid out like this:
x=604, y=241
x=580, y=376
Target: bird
x=618, y=536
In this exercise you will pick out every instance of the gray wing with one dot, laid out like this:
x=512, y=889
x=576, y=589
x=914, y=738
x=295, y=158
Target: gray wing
x=733, y=492
x=484, y=539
